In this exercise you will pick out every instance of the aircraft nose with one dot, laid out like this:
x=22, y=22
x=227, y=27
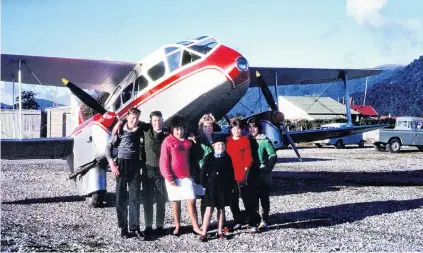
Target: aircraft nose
x=241, y=72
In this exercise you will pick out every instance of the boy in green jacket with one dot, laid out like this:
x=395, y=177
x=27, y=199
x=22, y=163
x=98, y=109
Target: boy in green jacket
x=265, y=158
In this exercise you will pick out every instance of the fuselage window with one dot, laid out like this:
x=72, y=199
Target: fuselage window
x=188, y=57
x=174, y=61
x=117, y=103
x=157, y=71
x=140, y=84
x=127, y=93
x=204, y=47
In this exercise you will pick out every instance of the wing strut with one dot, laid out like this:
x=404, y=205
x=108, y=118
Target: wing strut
x=20, y=99
x=344, y=77
x=276, y=89
x=13, y=105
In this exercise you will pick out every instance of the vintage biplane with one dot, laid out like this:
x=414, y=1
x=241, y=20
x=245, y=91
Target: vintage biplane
x=188, y=78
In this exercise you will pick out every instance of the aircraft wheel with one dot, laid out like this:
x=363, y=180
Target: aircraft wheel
x=394, y=146
x=339, y=144
x=380, y=147
x=361, y=144
x=96, y=199
x=318, y=145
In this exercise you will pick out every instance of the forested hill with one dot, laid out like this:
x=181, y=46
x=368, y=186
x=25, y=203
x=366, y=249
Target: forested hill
x=400, y=94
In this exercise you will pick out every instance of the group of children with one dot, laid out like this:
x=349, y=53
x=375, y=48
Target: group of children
x=208, y=166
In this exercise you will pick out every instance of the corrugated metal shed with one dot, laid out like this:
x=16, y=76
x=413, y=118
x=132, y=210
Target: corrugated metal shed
x=59, y=123
x=32, y=124
x=312, y=108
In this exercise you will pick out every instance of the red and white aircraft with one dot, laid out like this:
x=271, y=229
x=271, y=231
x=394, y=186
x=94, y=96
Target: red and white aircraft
x=188, y=78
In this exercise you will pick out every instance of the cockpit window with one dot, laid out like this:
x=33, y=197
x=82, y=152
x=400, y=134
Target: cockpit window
x=185, y=43
x=157, y=71
x=170, y=49
x=188, y=57
x=174, y=60
x=204, y=47
x=200, y=38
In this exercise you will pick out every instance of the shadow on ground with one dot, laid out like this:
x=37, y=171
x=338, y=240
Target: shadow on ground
x=291, y=182
x=59, y=199
x=333, y=215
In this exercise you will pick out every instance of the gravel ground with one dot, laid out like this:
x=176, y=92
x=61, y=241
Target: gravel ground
x=335, y=200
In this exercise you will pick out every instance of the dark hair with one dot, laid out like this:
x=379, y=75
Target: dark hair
x=234, y=122
x=177, y=121
x=156, y=113
x=218, y=138
x=256, y=122
x=134, y=110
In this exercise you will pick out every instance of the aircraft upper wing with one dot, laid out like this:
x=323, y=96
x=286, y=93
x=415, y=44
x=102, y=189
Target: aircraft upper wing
x=306, y=75
x=37, y=148
x=87, y=74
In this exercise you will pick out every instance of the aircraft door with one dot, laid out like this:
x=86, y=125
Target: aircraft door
x=83, y=148
x=272, y=132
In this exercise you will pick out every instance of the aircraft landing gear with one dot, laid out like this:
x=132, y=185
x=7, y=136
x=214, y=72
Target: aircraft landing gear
x=96, y=199
x=92, y=184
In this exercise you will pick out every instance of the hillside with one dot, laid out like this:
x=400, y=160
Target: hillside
x=399, y=95
x=408, y=77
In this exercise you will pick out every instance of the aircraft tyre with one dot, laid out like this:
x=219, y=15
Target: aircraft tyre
x=361, y=144
x=339, y=144
x=394, y=146
x=96, y=199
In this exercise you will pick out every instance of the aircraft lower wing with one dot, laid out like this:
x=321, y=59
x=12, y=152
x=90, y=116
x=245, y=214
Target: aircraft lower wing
x=306, y=75
x=40, y=148
x=322, y=134
x=88, y=74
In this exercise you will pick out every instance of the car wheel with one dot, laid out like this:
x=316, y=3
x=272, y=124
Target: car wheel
x=96, y=199
x=339, y=144
x=394, y=146
x=361, y=144
x=318, y=145
x=420, y=148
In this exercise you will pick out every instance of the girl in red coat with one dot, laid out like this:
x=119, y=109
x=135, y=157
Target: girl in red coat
x=238, y=148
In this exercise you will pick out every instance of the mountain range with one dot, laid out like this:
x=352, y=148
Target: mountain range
x=44, y=103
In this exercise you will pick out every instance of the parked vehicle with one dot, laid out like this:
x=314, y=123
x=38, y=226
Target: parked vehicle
x=408, y=131
x=356, y=139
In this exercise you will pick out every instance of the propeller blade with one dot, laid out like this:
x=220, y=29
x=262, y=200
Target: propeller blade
x=266, y=92
x=291, y=142
x=84, y=97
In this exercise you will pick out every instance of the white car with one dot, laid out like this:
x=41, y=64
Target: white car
x=356, y=139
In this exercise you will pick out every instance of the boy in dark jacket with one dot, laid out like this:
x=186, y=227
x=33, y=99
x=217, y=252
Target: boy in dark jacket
x=153, y=182
x=153, y=185
x=264, y=157
x=127, y=171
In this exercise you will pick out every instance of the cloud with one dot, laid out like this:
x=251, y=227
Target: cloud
x=393, y=36
x=366, y=11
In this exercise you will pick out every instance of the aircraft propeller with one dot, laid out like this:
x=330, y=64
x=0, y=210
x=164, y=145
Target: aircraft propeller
x=84, y=97
x=271, y=102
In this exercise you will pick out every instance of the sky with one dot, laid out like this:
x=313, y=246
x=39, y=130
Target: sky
x=277, y=33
